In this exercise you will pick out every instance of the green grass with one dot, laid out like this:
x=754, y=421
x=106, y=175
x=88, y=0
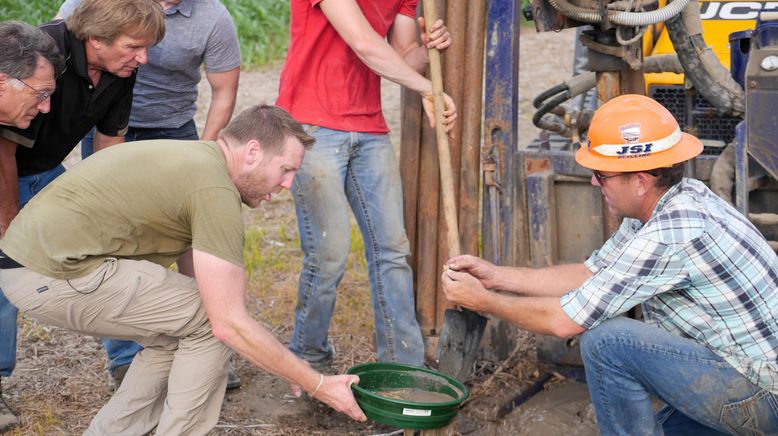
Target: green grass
x=30, y=11
x=262, y=25
x=270, y=253
x=273, y=259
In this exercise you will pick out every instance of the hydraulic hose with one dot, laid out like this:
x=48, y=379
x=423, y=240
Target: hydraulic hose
x=664, y=63
x=562, y=92
x=550, y=105
x=543, y=96
x=623, y=18
x=700, y=64
x=581, y=84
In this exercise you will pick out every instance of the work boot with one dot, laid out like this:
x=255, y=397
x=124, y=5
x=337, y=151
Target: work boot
x=323, y=366
x=8, y=418
x=117, y=376
x=233, y=380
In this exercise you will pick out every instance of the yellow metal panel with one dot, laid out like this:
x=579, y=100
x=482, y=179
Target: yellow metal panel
x=663, y=79
x=719, y=19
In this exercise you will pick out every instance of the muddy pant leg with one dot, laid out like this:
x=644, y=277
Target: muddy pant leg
x=374, y=191
x=322, y=217
x=675, y=423
x=627, y=360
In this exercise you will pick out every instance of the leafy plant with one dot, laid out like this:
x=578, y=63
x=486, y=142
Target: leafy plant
x=33, y=12
x=262, y=25
x=263, y=29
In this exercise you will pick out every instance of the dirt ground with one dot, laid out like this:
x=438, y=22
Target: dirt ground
x=61, y=379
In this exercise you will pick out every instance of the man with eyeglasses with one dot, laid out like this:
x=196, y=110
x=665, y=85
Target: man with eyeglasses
x=29, y=62
x=103, y=49
x=705, y=277
x=103, y=42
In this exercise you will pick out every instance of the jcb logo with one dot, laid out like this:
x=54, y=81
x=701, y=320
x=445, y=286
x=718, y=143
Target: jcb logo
x=734, y=10
x=635, y=149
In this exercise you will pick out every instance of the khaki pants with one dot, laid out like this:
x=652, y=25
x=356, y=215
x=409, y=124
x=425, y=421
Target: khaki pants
x=177, y=382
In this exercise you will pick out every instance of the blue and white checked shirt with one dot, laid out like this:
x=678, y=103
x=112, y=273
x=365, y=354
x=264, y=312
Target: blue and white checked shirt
x=701, y=270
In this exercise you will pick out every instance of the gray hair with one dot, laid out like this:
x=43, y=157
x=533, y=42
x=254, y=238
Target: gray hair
x=20, y=47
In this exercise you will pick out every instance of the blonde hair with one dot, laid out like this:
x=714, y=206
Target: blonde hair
x=106, y=20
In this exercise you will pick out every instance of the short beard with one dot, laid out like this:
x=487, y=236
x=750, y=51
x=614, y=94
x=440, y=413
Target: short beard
x=246, y=189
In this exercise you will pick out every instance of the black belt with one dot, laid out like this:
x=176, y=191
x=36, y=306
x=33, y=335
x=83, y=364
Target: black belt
x=8, y=263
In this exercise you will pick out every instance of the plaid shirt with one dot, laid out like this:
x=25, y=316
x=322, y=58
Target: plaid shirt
x=701, y=270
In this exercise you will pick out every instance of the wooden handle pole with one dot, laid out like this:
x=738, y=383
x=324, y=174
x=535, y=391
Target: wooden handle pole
x=444, y=153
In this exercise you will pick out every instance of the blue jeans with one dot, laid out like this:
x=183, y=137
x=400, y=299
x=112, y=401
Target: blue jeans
x=357, y=170
x=627, y=360
x=188, y=131
x=121, y=352
x=28, y=187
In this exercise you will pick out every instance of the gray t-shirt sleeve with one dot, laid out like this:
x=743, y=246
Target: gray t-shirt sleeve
x=68, y=7
x=222, y=51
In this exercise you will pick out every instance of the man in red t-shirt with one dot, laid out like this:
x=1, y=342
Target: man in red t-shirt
x=331, y=82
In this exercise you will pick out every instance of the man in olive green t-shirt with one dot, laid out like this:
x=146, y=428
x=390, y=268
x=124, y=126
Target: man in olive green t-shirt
x=91, y=253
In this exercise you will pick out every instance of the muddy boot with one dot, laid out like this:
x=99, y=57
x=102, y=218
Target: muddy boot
x=233, y=381
x=8, y=418
x=117, y=376
x=324, y=366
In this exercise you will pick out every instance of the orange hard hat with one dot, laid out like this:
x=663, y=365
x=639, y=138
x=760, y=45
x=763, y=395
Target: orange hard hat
x=635, y=133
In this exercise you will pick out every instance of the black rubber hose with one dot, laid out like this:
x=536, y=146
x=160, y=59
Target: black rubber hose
x=548, y=106
x=690, y=49
x=554, y=90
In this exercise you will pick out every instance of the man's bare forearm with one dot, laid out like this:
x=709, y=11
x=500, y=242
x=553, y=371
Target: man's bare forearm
x=373, y=50
x=102, y=141
x=536, y=314
x=553, y=281
x=224, y=89
x=418, y=59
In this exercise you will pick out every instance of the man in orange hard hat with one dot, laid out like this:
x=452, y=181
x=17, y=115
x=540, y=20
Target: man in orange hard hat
x=705, y=277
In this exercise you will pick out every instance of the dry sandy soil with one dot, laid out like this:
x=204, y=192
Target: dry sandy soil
x=61, y=378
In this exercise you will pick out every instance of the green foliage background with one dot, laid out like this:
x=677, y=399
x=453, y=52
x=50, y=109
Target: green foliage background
x=262, y=25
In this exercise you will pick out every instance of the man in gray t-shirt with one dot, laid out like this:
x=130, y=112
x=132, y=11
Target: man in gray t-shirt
x=199, y=33
x=165, y=96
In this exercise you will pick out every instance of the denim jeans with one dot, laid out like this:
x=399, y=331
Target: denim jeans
x=28, y=187
x=121, y=352
x=188, y=132
x=357, y=170
x=627, y=360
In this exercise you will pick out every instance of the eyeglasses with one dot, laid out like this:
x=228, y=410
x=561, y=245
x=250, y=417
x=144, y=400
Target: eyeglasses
x=41, y=95
x=601, y=178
